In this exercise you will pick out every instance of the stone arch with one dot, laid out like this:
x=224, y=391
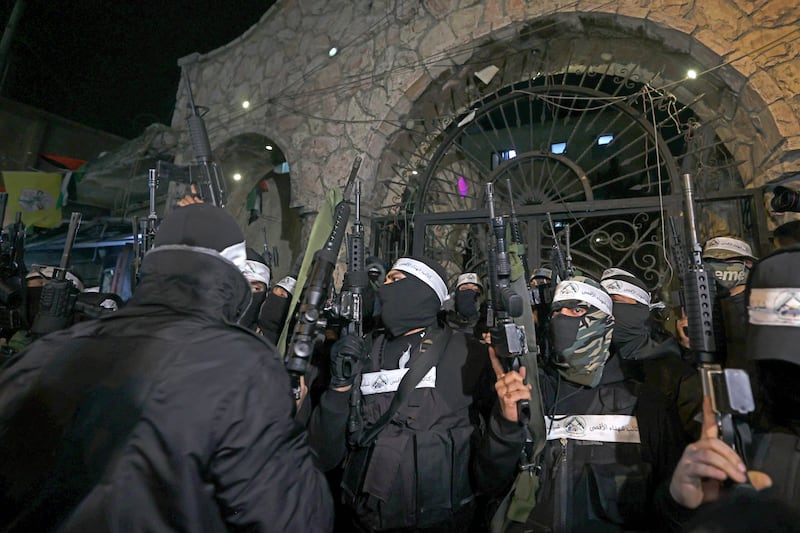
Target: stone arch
x=723, y=96
x=261, y=200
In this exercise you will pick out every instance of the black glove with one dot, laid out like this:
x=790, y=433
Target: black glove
x=347, y=355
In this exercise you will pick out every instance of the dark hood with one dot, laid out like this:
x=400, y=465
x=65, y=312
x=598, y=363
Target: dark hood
x=192, y=280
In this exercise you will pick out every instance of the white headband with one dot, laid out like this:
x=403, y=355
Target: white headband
x=578, y=290
x=255, y=271
x=469, y=277
x=740, y=248
x=236, y=254
x=288, y=284
x=623, y=288
x=425, y=273
x=775, y=307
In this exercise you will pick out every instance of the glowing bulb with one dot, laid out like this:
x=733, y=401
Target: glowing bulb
x=414, y=172
x=691, y=74
x=237, y=177
x=268, y=147
x=246, y=104
x=333, y=51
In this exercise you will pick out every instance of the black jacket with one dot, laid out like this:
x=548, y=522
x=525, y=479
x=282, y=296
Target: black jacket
x=416, y=473
x=165, y=416
x=646, y=468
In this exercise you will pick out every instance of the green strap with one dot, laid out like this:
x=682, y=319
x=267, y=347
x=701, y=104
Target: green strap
x=523, y=498
x=523, y=493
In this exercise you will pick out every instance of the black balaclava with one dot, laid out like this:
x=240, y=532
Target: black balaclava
x=466, y=304
x=413, y=302
x=631, y=337
x=250, y=317
x=631, y=331
x=275, y=309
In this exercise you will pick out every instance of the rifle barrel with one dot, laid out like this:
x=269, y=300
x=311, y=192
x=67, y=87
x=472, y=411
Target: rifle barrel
x=74, y=223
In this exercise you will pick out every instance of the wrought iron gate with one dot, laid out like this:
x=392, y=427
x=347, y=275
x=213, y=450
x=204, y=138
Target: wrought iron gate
x=601, y=153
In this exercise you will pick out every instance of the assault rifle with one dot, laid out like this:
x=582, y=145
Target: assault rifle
x=516, y=234
x=351, y=308
x=356, y=280
x=59, y=295
x=729, y=389
x=12, y=270
x=145, y=229
x=561, y=260
x=203, y=178
x=270, y=255
x=504, y=304
x=310, y=319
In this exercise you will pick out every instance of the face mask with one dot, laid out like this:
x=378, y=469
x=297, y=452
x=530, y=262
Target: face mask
x=563, y=330
x=630, y=328
x=466, y=304
x=407, y=304
x=583, y=360
x=250, y=317
x=729, y=274
x=273, y=314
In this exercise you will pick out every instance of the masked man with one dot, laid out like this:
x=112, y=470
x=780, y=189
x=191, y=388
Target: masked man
x=398, y=411
x=731, y=260
x=648, y=355
x=257, y=273
x=163, y=416
x=611, y=442
x=466, y=302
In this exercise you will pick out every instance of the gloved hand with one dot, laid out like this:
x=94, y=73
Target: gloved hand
x=347, y=356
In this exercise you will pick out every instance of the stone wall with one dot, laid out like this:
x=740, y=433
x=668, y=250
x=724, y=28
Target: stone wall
x=322, y=111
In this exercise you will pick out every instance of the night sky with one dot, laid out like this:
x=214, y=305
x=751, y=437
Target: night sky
x=112, y=64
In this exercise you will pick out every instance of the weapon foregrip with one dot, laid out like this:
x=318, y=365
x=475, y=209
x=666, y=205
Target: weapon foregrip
x=201, y=146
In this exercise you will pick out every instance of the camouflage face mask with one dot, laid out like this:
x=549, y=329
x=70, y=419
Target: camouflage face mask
x=584, y=360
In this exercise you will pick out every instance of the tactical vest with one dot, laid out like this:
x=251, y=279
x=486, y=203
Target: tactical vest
x=593, y=477
x=416, y=472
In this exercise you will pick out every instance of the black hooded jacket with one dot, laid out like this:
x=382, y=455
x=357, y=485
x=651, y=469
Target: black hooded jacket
x=165, y=416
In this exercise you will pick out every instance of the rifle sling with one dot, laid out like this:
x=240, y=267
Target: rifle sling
x=426, y=360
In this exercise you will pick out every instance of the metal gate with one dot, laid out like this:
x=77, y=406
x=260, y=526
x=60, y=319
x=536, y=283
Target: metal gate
x=601, y=154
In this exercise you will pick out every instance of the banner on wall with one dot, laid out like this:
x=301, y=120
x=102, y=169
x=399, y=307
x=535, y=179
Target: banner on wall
x=36, y=194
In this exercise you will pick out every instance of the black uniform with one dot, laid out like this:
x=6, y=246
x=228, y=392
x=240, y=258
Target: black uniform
x=165, y=416
x=581, y=469
x=416, y=474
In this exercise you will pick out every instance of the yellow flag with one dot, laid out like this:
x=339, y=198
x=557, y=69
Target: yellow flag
x=37, y=195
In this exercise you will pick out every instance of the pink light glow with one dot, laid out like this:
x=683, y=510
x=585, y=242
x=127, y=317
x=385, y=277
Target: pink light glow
x=463, y=188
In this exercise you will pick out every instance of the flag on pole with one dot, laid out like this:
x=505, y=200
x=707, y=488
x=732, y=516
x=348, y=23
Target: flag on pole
x=36, y=194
